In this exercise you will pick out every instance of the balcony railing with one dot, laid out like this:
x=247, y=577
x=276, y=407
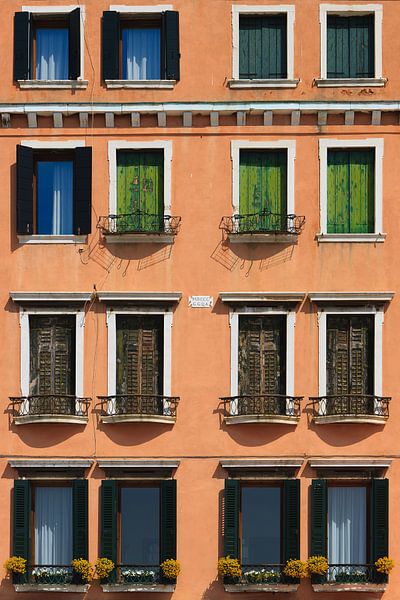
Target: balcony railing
x=350, y=574
x=351, y=405
x=49, y=405
x=139, y=223
x=48, y=575
x=264, y=405
x=138, y=404
x=135, y=574
x=263, y=222
x=261, y=575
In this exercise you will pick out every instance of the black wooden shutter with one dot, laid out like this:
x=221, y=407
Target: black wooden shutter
x=80, y=518
x=110, y=44
x=75, y=43
x=231, y=518
x=83, y=191
x=319, y=503
x=379, y=518
x=291, y=519
x=22, y=46
x=168, y=519
x=108, y=541
x=171, y=38
x=21, y=518
x=24, y=198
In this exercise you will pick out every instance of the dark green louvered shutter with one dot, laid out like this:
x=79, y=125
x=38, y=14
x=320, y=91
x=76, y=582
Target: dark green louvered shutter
x=21, y=518
x=319, y=517
x=108, y=536
x=22, y=46
x=262, y=47
x=80, y=518
x=231, y=518
x=24, y=194
x=168, y=519
x=74, y=43
x=171, y=38
x=350, y=47
x=379, y=519
x=291, y=519
x=83, y=191
x=110, y=44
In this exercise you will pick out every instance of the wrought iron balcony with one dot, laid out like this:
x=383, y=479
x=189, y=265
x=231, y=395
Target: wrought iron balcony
x=139, y=224
x=264, y=408
x=261, y=577
x=138, y=407
x=263, y=223
x=350, y=574
x=50, y=408
x=350, y=408
x=139, y=574
x=58, y=577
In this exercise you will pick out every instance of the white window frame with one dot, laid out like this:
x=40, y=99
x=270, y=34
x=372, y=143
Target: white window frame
x=237, y=146
x=234, y=316
x=113, y=147
x=289, y=10
x=324, y=146
x=63, y=10
x=347, y=10
x=24, y=314
x=112, y=343
x=378, y=313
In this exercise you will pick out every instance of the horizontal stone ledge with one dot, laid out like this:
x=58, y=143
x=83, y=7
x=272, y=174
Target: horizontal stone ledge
x=131, y=588
x=56, y=588
x=369, y=588
x=276, y=588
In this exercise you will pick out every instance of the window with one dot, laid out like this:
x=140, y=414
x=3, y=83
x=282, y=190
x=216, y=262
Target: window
x=261, y=527
x=47, y=45
x=351, y=190
x=53, y=191
x=50, y=528
x=351, y=45
x=138, y=528
x=263, y=46
x=141, y=46
x=350, y=527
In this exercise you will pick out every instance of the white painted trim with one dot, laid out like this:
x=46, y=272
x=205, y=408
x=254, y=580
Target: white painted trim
x=378, y=313
x=238, y=84
x=139, y=296
x=347, y=10
x=334, y=463
x=56, y=84
x=48, y=145
x=262, y=463
x=361, y=82
x=51, y=10
x=236, y=146
x=360, y=297
x=276, y=297
x=52, y=239
x=59, y=297
x=371, y=238
x=135, y=84
x=112, y=344
x=166, y=146
x=24, y=314
x=324, y=146
x=237, y=10
x=132, y=10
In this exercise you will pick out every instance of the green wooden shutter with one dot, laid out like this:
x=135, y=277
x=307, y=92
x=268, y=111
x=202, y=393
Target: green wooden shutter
x=350, y=47
x=351, y=191
x=319, y=517
x=168, y=519
x=108, y=535
x=379, y=519
x=231, y=518
x=80, y=518
x=140, y=190
x=74, y=18
x=263, y=187
x=22, y=46
x=21, y=517
x=291, y=519
x=262, y=47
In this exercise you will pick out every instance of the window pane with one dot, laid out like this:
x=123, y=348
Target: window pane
x=261, y=525
x=53, y=526
x=52, y=54
x=347, y=525
x=141, y=54
x=54, y=197
x=140, y=526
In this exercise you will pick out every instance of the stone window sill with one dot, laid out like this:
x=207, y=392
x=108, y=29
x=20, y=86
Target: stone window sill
x=131, y=587
x=371, y=238
x=38, y=587
x=52, y=239
x=355, y=419
x=361, y=82
x=70, y=419
x=138, y=419
x=273, y=419
x=141, y=238
x=58, y=84
x=238, y=84
x=263, y=238
x=369, y=588
x=129, y=84
x=257, y=587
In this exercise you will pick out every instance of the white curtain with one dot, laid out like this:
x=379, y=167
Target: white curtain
x=53, y=525
x=141, y=54
x=62, y=198
x=347, y=525
x=52, y=54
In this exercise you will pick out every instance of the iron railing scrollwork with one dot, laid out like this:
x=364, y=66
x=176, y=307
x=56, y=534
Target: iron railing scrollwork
x=48, y=575
x=264, y=405
x=139, y=222
x=265, y=574
x=139, y=404
x=350, y=574
x=135, y=575
x=263, y=222
x=351, y=405
x=50, y=404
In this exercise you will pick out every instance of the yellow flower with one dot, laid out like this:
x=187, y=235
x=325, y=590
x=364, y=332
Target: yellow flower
x=170, y=568
x=317, y=565
x=103, y=567
x=384, y=565
x=84, y=568
x=295, y=568
x=15, y=564
x=229, y=567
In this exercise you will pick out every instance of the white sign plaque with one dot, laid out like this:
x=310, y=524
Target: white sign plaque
x=201, y=301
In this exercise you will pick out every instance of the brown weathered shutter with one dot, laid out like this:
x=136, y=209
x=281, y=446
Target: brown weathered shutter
x=338, y=360
x=361, y=363
x=52, y=355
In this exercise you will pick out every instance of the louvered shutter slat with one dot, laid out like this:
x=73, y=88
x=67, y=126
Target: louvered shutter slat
x=291, y=519
x=83, y=191
x=80, y=518
x=108, y=541
x=379, y=518
x=171, y=37
x=22, y=46
x=21, y=518
x=231, y=518
x=74, y=44
x=24, y=190
x=318, y=517
x=110, y=44
x=168, y=519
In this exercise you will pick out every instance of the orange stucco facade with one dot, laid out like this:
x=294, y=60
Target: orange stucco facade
x=201, y=262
